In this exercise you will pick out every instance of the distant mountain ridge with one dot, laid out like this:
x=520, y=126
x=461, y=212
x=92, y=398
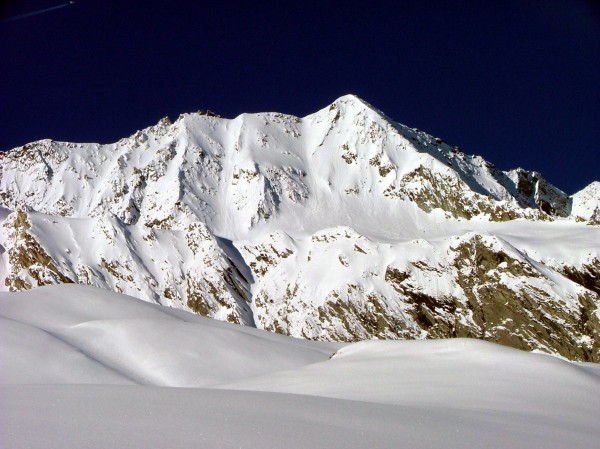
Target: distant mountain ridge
x=340, y=225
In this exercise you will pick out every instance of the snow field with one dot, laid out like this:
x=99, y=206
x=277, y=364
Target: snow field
x=71, y=357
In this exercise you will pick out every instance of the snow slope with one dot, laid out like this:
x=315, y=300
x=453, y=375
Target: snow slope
x=100, y=382
x=121, y=339
x=586, y=203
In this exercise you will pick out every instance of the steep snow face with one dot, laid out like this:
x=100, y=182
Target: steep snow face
x=586, y=204
x=340, y=225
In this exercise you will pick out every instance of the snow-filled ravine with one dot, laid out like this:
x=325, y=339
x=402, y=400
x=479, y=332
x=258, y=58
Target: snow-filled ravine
x=87, y=368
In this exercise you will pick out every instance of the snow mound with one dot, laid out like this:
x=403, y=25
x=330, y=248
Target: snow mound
x=77, y=334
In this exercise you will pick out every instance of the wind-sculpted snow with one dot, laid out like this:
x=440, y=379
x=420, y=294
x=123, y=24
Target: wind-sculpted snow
x=77, y=334
x=84, y=367
x=342, y=225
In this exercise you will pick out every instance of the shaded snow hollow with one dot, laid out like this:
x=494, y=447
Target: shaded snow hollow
x=83, y=367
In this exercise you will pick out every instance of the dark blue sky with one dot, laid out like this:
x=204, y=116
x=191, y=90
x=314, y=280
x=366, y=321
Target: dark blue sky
x=514, y=81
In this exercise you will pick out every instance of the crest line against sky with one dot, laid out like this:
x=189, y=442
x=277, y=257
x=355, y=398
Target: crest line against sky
x=513, y=81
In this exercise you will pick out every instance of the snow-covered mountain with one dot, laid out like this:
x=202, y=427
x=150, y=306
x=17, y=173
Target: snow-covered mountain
x=342, y=225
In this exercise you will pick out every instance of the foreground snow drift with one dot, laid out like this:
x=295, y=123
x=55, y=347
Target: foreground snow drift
x=62, y=417
x=449, y=393
x=76, y=334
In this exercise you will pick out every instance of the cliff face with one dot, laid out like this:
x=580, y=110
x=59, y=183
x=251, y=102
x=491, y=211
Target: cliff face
x=341, y=225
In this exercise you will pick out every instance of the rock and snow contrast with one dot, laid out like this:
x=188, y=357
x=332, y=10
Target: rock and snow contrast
x=340, y=226
x=85, y=367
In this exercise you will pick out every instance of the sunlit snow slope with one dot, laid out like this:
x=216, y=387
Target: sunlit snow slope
x=342, y=225
x=83, y=367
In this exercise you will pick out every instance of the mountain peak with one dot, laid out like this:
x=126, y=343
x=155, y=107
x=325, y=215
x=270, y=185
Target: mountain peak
x=351, y=102
x=350, y=98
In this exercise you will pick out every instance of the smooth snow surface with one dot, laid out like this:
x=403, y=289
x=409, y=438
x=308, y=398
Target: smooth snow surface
x=80, y=334
x=71, y=357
